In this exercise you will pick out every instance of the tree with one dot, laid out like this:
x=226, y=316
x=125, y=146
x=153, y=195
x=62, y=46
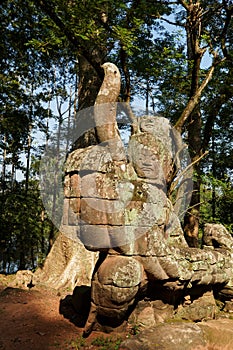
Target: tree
x=24, y=73
x=113, y=30
x=196, y=29
x=76, y=38
x=207, y=31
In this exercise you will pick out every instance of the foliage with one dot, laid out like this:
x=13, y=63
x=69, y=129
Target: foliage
x=23, y=231
x=41, y=46
x=107, y=343
x=217, y=197
x=78, y=343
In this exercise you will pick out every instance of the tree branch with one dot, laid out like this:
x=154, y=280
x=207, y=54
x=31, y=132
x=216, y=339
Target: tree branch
x=229, y=13
x=183, y=3
x=175, y=183
x=224, y=96
x=172, y=23
x=194, y=100
x=48, y=9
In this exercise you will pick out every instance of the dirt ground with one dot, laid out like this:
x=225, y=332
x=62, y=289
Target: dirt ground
x=31, y=320
x=43, y=319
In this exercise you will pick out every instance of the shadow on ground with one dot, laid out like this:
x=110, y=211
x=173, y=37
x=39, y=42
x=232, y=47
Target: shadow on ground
x=30, y=320
x=76, y=307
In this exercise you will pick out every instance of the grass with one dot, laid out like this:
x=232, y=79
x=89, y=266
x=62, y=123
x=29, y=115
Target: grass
x=107, y=343
x=100, y=343
x=77, y=344
x=135, y=329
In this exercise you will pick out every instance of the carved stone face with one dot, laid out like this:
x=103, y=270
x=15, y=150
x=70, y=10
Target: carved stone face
x=147, y=164
x=148, y=124
x=147, y=158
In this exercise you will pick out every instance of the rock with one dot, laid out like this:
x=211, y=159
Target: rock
x=115, y=286
x=142, y=316
x=202, y=308
x=218, y=332
x=228, y=306
x=142, y=148
x=23, y=279
x=141, y=226
x=179, y=336
x=132, y=344
x=226, y=293
x=150, y=313
x=120, y=207
x=217, y=236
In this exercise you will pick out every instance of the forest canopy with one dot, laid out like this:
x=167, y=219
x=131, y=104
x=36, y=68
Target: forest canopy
x=175, y=59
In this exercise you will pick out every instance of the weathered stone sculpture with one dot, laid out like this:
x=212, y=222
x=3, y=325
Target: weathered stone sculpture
x=119, y=206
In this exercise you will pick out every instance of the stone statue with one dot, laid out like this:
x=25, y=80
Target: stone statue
x=117, y=199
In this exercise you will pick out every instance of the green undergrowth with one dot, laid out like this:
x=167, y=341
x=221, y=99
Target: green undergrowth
x=100, y=343
x=107, y=343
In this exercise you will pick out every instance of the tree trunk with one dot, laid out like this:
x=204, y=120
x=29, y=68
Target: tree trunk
x=192, y=113
x=124, y=64
x=42, y=242
x=69, y=263
x=191, y=220
x=3, y=175
x=52, y=231
x=195, y=54
x=28, y=157
x=88, y=87
x=214, y=176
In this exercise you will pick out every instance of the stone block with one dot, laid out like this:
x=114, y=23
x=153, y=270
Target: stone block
x=96, y=185
x=94, y=237
x=144, y=214
x=88, y=159
x=71, y=211
x=113, y=314
x=106, y=186
x=75, y=205
x=120, y=271
x=109, y=296
x=101, y=212
x=72, y=186
x=65, y=217
x=142, y=241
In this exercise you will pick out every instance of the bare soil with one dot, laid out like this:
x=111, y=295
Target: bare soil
x=32, y=320
x=43, y=319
